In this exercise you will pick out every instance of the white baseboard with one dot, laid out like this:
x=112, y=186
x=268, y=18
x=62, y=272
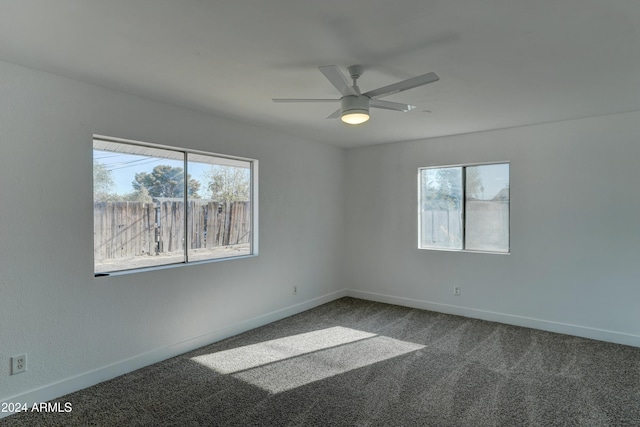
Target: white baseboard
x=528, y=322
x=87, y=379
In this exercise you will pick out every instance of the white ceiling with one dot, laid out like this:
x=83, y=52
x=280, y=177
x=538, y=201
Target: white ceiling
x=501, y=63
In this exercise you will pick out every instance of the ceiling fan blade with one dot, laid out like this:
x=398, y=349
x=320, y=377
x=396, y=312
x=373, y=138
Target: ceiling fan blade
x=303, y=100
x=403, y=85
x=335, y=114
x=337, y=79
x=387, y=105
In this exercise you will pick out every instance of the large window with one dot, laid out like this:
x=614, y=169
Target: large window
x=464, y=208
x=155, y=205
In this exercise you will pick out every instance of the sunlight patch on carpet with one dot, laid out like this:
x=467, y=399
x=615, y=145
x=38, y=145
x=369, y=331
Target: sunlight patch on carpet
x=290, y=362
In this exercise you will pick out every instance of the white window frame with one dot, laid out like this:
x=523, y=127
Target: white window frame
x=253, y=201
x=463, y=166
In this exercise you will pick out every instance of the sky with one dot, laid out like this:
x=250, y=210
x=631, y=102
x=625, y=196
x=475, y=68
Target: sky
x=494, y=178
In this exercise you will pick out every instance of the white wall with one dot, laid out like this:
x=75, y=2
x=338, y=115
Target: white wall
x=77, y=329
x=574, y=265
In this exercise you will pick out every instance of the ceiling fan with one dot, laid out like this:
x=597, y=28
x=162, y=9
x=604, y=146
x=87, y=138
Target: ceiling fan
x=354, y=106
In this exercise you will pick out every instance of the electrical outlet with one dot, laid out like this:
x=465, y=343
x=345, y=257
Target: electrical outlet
x=295, y=289
x=456, y=291
x=18, y=364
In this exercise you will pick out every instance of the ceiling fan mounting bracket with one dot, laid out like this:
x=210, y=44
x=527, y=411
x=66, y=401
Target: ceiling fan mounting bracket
x=355, y=71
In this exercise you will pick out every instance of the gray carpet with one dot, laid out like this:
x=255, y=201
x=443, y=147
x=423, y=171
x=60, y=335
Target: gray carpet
x=360, y=363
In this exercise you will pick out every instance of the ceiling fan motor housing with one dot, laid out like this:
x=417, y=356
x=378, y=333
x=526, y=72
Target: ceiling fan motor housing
x=352, y=104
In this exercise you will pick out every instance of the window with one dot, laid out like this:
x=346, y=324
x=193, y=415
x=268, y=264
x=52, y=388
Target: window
x=464, y=208
x=146, y=214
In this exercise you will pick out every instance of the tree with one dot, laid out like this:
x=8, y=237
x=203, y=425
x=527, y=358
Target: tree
x=141, y=195
x=166, y=181
x=474, y=188
x=450, y=184
x=229, y=183
x=102, y=182
x=443, y=187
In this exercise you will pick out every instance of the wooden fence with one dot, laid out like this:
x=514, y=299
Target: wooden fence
x=487, y=226
x=126, y=229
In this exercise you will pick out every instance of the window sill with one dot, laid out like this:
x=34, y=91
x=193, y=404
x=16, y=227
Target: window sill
x=169, y=266
x=465, y=250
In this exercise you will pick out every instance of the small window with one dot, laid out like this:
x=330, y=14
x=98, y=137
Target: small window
x=155, y=206
x=464, y=208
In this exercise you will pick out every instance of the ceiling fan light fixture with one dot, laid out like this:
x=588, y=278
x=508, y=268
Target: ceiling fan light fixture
x=355, y=109
x=355, y=117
